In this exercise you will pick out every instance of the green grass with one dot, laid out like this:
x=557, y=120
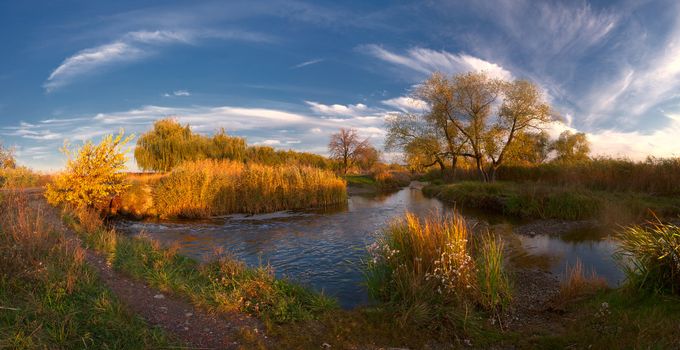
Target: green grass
x=616, y=320
x=51, y=298
x=531, y=200
x=222, y=285
x=360, y=180
x=382, y=181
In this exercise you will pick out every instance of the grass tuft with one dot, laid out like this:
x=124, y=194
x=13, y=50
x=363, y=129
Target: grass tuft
x=650, y=257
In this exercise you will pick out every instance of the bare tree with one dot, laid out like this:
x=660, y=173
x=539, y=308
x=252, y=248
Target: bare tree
x=345, y=146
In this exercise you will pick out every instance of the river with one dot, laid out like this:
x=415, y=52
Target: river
x=324, y=249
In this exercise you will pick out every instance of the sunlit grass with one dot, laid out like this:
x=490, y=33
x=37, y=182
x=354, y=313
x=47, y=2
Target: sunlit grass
x=208, y=188
x=50, y=297
x=429, y=271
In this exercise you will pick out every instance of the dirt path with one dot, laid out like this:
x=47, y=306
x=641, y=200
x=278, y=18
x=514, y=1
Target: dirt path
x=195, y=327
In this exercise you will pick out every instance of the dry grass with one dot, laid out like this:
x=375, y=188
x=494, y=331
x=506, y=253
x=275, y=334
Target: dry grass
x=578, y=283
x=208, y=188
x=50, y=297
x=22, y=177
x=427, y=272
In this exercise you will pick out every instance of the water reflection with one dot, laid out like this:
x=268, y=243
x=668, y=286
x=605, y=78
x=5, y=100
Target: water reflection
x=323, y=249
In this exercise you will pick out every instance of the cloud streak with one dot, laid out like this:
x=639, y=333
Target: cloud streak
x=308, y=63
x=131, y=47
x=428, y=61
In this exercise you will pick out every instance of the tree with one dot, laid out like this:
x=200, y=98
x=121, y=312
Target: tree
x=170, y=144
x=345, y=147
x=7, y=159
x=481, y=116
x=93, y=174
x=529, y=148
x=420, y=142
x=570, y=147
x=367, y=158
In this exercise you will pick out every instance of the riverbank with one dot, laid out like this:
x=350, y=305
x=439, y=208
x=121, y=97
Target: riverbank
x=539, y=316
x=382, y=182
x=539, y=201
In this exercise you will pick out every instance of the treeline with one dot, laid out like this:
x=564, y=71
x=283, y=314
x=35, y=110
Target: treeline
x=170, y=144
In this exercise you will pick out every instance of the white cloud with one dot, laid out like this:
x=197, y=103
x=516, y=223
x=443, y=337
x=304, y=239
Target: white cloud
x=428, y=61
x=177, y=93
x=88, y=60
x=338, y=109
x=635, y=145
x=269, y=142
x=308, y=63
x=407, y=104
x=131, y=47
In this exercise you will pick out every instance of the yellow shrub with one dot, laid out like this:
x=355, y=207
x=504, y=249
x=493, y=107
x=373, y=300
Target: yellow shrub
x=93, y=174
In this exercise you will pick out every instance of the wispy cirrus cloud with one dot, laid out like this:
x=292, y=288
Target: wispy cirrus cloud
x=131, y=47
x=177, y=93
x=427, y=61
x=307, y=63
x=407, y=104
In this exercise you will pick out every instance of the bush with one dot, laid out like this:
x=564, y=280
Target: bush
x=93, y=174
x=206, y=188
x=650, y=257
x=426, y=270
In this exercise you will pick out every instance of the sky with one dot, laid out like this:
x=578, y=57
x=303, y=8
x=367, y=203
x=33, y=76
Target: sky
x=289, y=73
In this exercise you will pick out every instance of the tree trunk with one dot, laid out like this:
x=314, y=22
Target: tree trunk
x=442, y=166
x=480, y=169
x=454, y=162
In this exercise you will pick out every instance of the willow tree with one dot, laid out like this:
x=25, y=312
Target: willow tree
x=170, y=144
x=486, y=113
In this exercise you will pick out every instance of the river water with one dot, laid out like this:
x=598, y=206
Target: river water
x=324, y=249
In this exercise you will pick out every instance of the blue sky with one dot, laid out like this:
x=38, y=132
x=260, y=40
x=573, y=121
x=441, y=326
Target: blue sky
x=289, y=73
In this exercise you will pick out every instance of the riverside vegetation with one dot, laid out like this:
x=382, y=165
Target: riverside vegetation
x=436, y=281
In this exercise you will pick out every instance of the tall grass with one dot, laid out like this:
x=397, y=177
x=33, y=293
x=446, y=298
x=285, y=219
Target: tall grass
x=49, y=297
x=650, y=256
x=493, y=281
x=205, y=188
x=427, y=271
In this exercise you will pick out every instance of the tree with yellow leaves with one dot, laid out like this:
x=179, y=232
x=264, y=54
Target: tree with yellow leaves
x=93, y=174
